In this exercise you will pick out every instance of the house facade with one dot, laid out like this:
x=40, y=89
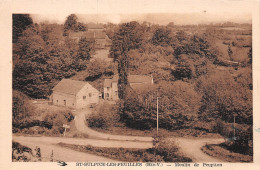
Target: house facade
x=74, y=94
x=111, y=85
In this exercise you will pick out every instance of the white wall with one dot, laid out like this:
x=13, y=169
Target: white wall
x=58, y=99
x=92, y=96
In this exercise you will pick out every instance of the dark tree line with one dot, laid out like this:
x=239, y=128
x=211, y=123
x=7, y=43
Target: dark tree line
x=43, y=57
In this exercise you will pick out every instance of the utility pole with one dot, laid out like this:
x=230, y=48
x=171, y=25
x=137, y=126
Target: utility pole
x=157, y=117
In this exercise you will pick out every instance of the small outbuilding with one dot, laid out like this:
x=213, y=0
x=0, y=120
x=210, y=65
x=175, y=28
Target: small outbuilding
x=74, y=94
x=135, y=81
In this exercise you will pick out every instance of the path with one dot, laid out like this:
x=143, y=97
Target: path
x=81, y=126
x=192, y=148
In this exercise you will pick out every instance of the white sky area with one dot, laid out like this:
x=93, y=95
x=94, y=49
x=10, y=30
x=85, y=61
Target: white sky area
x=116, y=11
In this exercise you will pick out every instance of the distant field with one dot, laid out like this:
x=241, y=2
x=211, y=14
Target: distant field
x=232, y=28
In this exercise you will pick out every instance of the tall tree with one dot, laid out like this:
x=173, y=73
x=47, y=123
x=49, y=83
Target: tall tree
x=85, y=48
x=20, y=23
x=70, y=24
x=44, y=60
x=127, y=37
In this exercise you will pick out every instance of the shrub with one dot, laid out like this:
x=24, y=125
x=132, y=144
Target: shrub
x=104, y=116
x=243, y=136
x=169, y=151
x=21, y=107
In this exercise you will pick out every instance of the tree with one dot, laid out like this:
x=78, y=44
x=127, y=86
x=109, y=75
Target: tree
x=21, y=107
x=178, y=101
x=70, y=24
x=44, y=60
x=85, y=48
x=162, y=37
x=223, y=98
x=20, y=23
x=126, y=38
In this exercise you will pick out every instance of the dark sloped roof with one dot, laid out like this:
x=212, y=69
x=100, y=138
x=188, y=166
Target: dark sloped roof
x=69, y=86
x=92, y=25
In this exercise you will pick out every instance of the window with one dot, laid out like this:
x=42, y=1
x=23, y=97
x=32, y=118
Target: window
x=107, y=94
x=84, y=97
x=89, y=95
x=108, y=88
x=57, y=101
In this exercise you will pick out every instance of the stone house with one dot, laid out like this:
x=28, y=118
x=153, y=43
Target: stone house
x=111, y=88
x=74, y=94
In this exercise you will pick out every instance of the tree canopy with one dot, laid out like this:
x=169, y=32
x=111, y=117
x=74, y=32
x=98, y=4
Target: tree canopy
x=20, y=23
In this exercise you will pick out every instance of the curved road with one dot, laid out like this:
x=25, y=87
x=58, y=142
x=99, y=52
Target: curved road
x=81, y=126
x=190, y=147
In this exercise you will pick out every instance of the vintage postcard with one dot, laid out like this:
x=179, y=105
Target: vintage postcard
x=105, y=84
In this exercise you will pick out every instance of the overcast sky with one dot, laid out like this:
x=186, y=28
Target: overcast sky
x=195, y=11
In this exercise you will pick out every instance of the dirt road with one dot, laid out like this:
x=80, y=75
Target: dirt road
x=192, y=148
x=81, y=126
x=47, y=145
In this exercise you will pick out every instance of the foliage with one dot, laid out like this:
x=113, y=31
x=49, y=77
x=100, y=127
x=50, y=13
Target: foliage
x=21, y=107
x=72, y=24
x=59, y=118
x=21, y=153
x=178, y=104
x=133, y=155
x=167, y=149
x=104, y=116
x=85, y=48
x=20, y=23
x=44, y=59
x=241, y=141
x=126, y=38
x=223, y=98
x=162, y=37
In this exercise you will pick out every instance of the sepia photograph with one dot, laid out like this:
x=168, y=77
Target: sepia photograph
x=127, y=87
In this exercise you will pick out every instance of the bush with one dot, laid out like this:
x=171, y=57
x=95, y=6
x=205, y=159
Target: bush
x=21, y=107
x=104, y=116
x=243, y=136
x=59, y=118
x=169, y=151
